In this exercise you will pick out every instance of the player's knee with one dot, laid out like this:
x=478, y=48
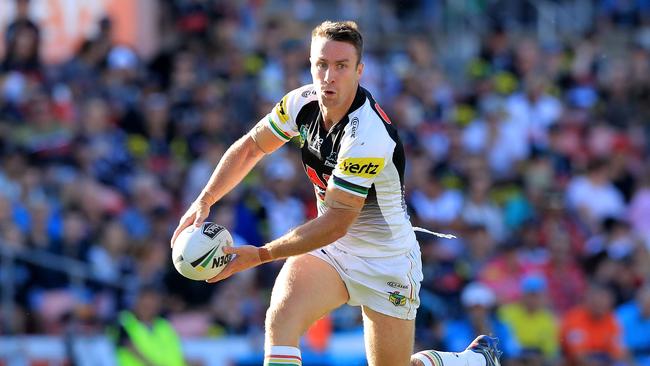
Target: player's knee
x=283, y=325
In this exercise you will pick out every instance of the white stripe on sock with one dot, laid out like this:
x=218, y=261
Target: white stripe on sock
x=284, y=350
x=465, y=358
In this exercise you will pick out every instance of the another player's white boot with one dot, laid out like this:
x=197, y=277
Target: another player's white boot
x=483, y=351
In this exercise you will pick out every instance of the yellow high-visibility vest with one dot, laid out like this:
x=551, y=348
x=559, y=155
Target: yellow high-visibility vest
x=159, y=344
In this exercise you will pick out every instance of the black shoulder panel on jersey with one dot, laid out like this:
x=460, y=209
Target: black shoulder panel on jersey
x=359, y=99
x=306, y=113
x=398, y=154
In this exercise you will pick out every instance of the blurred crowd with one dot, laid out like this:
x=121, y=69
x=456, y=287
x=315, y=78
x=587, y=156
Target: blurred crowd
x=534, y=152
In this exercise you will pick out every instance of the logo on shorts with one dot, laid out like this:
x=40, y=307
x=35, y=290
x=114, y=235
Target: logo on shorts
x=396, y=299
x=397, y=285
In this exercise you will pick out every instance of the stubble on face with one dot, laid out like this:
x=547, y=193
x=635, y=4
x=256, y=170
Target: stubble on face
x=335, y=71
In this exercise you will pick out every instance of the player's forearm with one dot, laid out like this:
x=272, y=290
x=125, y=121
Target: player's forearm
x=311, y=235
x=235, y=164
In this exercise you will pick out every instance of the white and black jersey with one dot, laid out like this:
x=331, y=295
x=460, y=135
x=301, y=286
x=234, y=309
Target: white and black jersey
x=362, y=155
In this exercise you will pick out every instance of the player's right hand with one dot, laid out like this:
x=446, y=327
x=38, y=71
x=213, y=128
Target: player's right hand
x=196, y=215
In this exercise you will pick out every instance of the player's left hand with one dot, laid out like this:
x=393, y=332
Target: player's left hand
x=246, y=256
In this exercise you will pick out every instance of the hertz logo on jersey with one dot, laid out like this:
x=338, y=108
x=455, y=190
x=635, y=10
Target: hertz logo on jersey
x=362, y=167
x=281, y=110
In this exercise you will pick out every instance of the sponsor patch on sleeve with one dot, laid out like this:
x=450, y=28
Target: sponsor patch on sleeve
x=281, y=110
x=362, y=167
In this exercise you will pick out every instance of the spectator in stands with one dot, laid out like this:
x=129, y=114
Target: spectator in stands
x=103, y=144
x=479, y=301
x=534, y=326
x=480, y=209
x=590, y=333
x=108, y=258
x=639, y=209
x=436, y=205
x=22, y=42
x=505, y=271
x=144, y=336
x=478, y=249
x=21, y=18
x=492, y=136
x=634, y=317
x=566, y=279
x=596, y=183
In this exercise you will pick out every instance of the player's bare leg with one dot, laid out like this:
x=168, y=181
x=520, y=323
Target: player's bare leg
x=389, y=340
x=306, y=289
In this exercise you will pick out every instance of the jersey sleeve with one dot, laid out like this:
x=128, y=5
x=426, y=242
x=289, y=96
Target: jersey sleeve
x=282, y=119
x=360, y=160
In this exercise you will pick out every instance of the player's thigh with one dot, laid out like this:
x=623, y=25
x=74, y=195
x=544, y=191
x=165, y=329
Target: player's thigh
x=306, y=289
x=389, y=340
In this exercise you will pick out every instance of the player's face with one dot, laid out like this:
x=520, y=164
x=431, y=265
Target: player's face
x=335, y=71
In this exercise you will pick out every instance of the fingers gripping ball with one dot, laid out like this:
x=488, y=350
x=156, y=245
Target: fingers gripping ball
x=198, y=252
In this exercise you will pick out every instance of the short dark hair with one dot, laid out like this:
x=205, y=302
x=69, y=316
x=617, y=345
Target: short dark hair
x=345, y=31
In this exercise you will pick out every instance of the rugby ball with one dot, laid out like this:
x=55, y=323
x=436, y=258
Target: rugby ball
x=198, y=251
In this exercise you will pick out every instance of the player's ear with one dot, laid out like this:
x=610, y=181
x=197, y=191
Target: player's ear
x=360, y=69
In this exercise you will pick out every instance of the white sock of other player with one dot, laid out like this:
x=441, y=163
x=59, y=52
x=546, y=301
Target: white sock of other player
x=435, y=358
x=283, y=356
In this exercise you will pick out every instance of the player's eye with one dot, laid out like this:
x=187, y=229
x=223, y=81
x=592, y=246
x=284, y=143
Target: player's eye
x=341, y=66
x=321, y=65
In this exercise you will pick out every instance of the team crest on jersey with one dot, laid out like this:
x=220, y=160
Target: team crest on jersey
x=396, y=298
x=281, y=110
x=316, y=144
x=303, y=135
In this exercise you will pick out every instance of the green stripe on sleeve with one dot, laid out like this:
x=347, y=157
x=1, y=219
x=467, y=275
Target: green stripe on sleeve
x=350, y=186
x=278, y=130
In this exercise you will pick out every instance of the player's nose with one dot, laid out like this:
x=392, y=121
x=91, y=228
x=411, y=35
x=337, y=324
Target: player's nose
x=329, y=76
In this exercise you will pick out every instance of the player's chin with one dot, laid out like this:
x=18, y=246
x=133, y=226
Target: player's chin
x=329, y=101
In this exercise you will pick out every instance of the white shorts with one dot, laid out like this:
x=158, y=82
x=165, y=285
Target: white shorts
x=389, y=285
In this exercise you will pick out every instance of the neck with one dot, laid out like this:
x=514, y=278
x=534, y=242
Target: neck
x=331, y=116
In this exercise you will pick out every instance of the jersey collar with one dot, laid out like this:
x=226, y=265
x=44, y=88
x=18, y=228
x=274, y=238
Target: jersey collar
x=359, y=99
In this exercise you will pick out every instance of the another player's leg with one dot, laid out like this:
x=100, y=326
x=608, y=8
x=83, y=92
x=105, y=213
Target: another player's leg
x=306, y=289
x=483, y=351
x=389, y=340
